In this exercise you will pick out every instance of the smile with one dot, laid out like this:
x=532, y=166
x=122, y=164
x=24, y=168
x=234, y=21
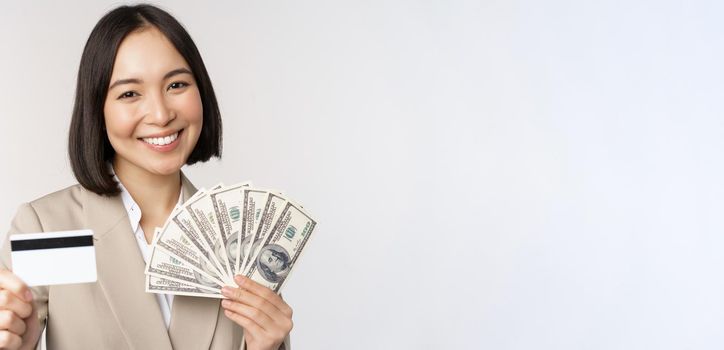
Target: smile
x=161, y=141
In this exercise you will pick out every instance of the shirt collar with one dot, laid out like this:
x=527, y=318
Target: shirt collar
x=133, y=210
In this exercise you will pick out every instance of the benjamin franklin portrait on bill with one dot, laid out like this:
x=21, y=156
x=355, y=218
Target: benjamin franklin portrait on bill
x=273, y=263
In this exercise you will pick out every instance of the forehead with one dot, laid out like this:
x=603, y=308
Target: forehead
x=146, y=54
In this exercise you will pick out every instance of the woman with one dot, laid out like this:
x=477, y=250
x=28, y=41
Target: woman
x=144, y=107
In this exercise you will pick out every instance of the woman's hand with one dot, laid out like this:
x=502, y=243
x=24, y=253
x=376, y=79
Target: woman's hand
x=19, y=326
x=265, y=317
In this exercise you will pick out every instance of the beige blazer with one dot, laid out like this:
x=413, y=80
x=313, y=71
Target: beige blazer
x=115, y=312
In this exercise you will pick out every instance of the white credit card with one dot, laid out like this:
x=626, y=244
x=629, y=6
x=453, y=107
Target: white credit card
x=47, y=258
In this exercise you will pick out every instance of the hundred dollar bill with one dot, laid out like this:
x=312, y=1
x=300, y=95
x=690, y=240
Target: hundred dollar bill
x=282, y=247
x=227, y=209
x=253, y=203
x=201, y=211
x=250, y=246
x=161, y=285
x=168, y=266
x=185, y=223
x=186, y=245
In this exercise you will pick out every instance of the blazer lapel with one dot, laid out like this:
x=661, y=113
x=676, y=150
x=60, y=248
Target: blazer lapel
x=121, y=273
x=187, y=187
x=193, y=319
x=193, y=322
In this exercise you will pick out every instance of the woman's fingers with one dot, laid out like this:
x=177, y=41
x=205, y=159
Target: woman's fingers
x=11, y=322
x=10, y=301
x=15, y=305
x=261, y=312
x=14, y=294
x=248, y=324
x=248, y=298
x=14, y=284
x=265, y=293
x=258, y=316
x=10, y=340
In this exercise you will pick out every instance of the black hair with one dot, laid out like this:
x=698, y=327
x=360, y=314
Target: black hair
x=88, y=145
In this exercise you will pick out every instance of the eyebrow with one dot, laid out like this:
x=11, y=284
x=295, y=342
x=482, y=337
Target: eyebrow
x=138, y=81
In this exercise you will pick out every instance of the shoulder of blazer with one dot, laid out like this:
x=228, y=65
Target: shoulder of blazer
x=68, y=196
x=75, y=207
x=73, y=197
x=68, y=209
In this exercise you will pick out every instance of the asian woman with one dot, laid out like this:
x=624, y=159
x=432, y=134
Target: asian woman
x=144, y=108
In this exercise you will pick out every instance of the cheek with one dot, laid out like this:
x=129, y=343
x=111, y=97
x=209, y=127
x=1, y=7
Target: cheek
x=193, y=114
x=119, y=122
x=192, y=107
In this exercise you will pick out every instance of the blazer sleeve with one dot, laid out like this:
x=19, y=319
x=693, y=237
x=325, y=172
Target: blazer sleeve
x=286, y=345
x=26, y=221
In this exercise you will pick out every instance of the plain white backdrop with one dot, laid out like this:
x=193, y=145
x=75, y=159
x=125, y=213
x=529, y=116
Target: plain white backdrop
x=487, y=174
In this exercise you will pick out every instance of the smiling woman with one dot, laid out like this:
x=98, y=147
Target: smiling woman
x=153, y=122
x=144, y=108
x=146, y=68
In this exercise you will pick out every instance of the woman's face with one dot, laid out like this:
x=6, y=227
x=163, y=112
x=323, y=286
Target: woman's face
x=153, y=109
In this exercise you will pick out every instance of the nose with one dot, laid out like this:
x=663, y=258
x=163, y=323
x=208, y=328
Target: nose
x=158, y=111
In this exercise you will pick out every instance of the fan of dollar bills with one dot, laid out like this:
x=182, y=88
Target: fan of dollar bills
x=223, y=232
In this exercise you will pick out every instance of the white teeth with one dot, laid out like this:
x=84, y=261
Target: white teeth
x=161, y=141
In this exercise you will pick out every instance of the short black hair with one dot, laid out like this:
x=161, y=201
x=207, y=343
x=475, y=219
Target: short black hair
x=88, y=145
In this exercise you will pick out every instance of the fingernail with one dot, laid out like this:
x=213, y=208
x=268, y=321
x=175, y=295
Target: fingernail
x=239, y=279
x=225, y=303
x=28, y=295
x=225, y=290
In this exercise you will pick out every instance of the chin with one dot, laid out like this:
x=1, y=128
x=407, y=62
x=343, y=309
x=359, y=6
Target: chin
x=166, y=169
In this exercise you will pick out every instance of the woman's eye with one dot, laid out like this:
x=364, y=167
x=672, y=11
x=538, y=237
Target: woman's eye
x=127, y=94
x=177, y=85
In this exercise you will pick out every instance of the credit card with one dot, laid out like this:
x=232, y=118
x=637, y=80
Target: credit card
x=49, y=258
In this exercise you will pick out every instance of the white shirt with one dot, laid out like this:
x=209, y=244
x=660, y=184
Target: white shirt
x=165, y=301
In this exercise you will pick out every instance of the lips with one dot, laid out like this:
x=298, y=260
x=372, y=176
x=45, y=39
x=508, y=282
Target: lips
x=161, y=140
x=163, y=143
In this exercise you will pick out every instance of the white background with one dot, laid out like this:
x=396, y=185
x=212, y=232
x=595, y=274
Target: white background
x=487, y=174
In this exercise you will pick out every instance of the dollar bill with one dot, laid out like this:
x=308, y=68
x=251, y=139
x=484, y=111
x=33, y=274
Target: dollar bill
x=186, y=246
x=168, y=266
x=185, y=223
x=224, y=231
x=272, y=211
x=228, y=210
x=253, y=203
x=204, y=219
x=161, y=285
x=282, y=247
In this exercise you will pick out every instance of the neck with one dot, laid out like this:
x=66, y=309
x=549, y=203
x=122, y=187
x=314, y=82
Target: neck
x=155, y=194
